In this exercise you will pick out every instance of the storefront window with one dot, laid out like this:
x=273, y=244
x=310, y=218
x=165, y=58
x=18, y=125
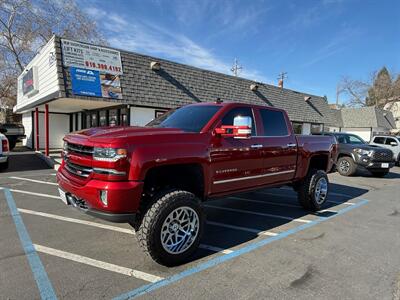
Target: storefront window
x=124, y=117
x=113, y=117
x=94, y=122
x=297, y=128
x=103, y=118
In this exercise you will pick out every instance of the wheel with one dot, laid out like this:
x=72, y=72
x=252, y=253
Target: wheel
x=379, y=173
x=4, y=166
x=171, y=228
x=313, y=191
x=12, y=144
x=346, y=166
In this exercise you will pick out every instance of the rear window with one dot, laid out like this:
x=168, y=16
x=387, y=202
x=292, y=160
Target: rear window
x=379, y=140
x=274, y=123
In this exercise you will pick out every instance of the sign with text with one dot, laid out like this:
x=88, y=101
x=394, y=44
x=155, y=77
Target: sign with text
x=85, y=82
x=81, y=55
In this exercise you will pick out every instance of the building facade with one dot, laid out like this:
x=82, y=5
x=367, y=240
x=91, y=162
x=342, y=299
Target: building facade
x=71, y=85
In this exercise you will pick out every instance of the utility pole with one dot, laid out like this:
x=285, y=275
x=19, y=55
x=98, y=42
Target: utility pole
x=281, y=78
x=236, y=68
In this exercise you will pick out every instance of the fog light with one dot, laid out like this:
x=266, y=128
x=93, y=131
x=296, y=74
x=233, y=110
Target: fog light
x=103, y=197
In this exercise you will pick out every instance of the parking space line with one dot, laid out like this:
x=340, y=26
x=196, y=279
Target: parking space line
x=265, y=202
x=295, y=196
x=103, y=226
x=98, y=264
x=39, y=273
x=78, y=221
x=259, y=213
x=215, y=249
x=252, y=230
x=35, y=194
x=33, y=180
x=221, y=259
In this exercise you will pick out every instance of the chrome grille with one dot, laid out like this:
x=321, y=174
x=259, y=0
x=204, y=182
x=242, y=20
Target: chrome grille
x=79, y=149
x=78, y=170
x=382, y=155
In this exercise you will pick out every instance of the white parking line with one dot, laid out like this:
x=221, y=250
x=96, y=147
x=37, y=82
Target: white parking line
x=35, y=194
x=98, y=264
x=330, y=193
x=78, y=221
x=103, y=226
x=266, y=202
x=215, y=249
x=33, y=180
x=259, y=213
x=252, y=230
x=295, y=196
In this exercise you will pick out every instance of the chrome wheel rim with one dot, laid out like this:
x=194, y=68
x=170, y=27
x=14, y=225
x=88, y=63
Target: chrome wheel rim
x=321, y=190
x=344, y=166
x=179, y=230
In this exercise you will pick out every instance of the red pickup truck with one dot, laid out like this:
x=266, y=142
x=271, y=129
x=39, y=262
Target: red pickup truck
x=156, y=177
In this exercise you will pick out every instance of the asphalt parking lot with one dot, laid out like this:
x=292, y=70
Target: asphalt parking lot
x=256, y=245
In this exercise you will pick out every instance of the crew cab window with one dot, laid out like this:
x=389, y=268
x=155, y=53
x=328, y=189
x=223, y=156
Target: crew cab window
x=389, y=141
x=349, y=139
x=239, y=111
x=190, y=118
x=379, y=140
x=274, y=123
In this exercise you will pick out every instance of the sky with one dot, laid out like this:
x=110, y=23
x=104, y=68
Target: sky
x=315, y=42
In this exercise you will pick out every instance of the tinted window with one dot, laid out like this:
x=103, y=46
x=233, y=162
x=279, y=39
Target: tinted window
x=187, y=118
x=379, y=140
x=239, y=111
x=390, y=140
x=274, y=123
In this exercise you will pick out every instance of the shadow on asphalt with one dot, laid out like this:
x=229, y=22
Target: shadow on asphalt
x=366, y=173
x=265, y=201
x=22, y=159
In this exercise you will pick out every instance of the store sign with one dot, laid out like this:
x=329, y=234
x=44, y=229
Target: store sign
x=80, y=55
x=29, y=82
x=94, y=83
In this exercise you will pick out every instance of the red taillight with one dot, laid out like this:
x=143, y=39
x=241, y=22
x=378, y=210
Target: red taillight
x=5, y=146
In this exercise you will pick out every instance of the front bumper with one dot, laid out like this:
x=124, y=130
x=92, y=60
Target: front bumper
x=370, y=163
x=123, y=198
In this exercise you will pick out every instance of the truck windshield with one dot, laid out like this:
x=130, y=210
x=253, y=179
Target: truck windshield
x=190, y=118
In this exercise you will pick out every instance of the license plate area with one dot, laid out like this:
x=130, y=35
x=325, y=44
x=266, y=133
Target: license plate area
x=63, y=196
x=385, y=165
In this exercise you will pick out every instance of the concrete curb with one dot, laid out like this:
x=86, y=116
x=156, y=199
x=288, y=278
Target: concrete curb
x=48, y=160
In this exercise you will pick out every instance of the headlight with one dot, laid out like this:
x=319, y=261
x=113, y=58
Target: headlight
x=363, y=152
x=108, y=154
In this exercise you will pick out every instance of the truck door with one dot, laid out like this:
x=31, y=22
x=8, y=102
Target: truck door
x=279, y=146
x=236, y=163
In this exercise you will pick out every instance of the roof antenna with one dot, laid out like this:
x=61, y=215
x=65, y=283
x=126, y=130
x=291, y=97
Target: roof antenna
x=236, y=68
x=281, y=77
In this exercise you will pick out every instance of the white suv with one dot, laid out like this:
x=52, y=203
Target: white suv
x=4, y=151
x=388, y=142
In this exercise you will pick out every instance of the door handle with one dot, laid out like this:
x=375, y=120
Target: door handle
x=291, y=145
x=256, y=146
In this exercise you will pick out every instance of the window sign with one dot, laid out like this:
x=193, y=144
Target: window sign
x=29, y=82
x=85, y=82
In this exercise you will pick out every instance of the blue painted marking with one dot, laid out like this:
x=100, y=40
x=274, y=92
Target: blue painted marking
x=42, y=280
x=215, y=261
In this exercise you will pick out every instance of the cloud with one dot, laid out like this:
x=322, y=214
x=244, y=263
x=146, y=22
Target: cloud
x=149, y=38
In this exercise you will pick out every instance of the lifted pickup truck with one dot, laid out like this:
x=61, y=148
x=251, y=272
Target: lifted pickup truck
x=156, y=177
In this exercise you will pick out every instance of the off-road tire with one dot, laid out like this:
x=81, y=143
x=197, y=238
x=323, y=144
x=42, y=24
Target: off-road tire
x=148, y=231
x=379, y=174
x=306, y=192
x=351, y=169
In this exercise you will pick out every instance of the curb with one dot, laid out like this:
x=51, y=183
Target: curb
x=48, y=160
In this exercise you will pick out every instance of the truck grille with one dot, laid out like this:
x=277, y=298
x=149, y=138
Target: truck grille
x=79, y=149
x=382, y=155
x=78, y=170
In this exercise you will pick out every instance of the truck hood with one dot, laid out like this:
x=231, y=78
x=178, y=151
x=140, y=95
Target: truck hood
x=115, y=134
x=365, y=146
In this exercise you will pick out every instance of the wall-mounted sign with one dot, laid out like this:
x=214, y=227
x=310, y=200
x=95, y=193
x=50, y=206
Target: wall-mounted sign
x=80, y=55
x=29, y=82
x=94, y=83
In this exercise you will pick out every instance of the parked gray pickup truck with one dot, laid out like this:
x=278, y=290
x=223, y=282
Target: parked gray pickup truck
x=354, y=152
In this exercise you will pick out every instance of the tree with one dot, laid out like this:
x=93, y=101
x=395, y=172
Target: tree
x=381, y=90
x=396, y=88
x=356, y=91
x=26, y=26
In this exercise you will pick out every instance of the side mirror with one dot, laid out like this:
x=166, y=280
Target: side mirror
x=393, y=144
x=241, y=128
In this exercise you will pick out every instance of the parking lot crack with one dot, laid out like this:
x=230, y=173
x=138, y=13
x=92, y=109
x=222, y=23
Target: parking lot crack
x=308, y=274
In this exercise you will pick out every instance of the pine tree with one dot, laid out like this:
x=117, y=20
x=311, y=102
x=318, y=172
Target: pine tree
x=381, y=90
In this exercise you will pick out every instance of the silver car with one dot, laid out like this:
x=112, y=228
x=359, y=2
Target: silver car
x=388, y=142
